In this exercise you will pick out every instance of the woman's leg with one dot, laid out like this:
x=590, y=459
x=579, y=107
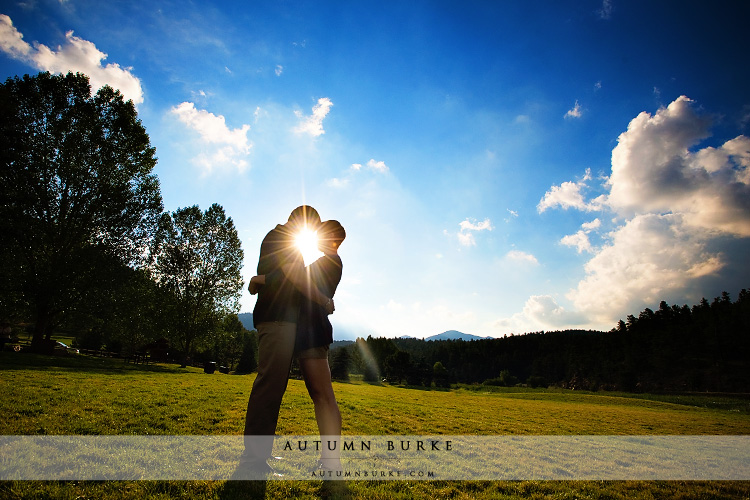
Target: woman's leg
x=317, y=376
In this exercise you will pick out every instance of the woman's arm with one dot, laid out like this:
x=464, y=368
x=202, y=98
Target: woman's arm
x=300, y=279
x=256, y=282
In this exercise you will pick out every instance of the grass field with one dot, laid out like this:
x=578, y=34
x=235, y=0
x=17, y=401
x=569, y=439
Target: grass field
x=85, y=395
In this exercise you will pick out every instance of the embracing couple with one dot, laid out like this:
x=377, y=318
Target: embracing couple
x=291, y=317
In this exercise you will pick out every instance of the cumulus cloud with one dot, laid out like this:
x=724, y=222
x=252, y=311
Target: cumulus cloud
x=545, y=310
x=539, y=312
x=229, y=146
x=580, y=240
x=648, y=257
x=680, y=208
x=466, y=236
x=575, y=111
x=313, y=124
x=569, y=195
x=76, y=55
x=654, y=170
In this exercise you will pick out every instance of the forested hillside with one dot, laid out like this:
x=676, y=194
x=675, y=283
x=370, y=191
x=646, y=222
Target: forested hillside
x=675, y=348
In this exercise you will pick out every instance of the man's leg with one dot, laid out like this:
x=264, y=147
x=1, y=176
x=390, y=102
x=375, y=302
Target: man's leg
x=275, y=352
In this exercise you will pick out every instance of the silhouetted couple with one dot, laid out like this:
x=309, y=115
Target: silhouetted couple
x=291, y=317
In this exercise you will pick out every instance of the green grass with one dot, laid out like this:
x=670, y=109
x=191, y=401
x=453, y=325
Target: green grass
x=86, y=395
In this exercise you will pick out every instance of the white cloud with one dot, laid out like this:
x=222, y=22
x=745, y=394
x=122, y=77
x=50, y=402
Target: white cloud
x=519, y=256
x=545, y=310
x=682, y=213
x=313, y=124
x=579, y=240
x=378, y=166
x=648, y=257
x=606, y=11
x=655, y=171
x=566, y=195
x=569, y=195
x=468, y=229
x=349, y=178
x=279, y=70
x=539, y=312
x=589, y=226
x=76, y=55
x=231, y=146
x=467, y=225
x=575, y=112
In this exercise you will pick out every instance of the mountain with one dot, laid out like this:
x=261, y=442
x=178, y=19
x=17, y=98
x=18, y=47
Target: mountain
x=454, y=335
x=247, y=320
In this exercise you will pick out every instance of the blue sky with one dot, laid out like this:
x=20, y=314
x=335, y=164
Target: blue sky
x=500, y=167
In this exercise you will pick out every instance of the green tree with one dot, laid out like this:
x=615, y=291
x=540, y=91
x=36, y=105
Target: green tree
x=440, y=375
x=76, y=183
x=197, y=261
x=228, y=342
x=397, y=366
x=248, y=362
x=340, y=360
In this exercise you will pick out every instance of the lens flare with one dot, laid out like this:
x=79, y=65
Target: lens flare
x=307, y=243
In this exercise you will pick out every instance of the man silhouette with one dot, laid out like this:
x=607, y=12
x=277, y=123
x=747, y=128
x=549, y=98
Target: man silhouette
x=275, y=316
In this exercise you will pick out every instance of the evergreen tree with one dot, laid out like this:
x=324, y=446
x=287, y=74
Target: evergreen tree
x=340, y=360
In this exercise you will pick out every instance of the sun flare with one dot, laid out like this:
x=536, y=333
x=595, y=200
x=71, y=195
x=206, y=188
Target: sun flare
x=307, y=243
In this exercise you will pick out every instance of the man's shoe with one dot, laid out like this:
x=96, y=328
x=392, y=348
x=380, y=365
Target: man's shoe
x=252, y=469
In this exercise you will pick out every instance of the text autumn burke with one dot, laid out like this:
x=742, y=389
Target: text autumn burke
x=390, y=445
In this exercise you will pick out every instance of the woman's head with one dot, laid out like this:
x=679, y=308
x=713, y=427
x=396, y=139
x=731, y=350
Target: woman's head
x=330, y=235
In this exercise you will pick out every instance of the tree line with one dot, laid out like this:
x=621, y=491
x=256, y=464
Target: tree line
x=86, y=244
x=675, y=348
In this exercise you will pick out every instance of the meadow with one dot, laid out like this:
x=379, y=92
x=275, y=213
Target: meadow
x=87, y=395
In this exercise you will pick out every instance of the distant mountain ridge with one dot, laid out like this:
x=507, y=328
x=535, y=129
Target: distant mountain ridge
x=454, y=335
x=247, y=320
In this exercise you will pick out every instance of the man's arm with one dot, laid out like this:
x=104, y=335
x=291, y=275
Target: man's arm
x=299, y=278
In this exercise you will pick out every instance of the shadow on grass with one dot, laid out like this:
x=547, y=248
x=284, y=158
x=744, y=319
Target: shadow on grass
x=232, y=490
x=81, y=362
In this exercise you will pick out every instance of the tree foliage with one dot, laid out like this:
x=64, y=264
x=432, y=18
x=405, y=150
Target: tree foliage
x=77, y=193
x=675, y=348
x=197, y=261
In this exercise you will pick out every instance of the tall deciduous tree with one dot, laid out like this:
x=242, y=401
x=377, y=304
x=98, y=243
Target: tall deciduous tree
x=76, y=192
x=198, y=262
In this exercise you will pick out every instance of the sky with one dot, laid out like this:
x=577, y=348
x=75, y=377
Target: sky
x=500, y=167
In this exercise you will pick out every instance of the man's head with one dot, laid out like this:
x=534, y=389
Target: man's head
x=330, y=234
x=304, y=216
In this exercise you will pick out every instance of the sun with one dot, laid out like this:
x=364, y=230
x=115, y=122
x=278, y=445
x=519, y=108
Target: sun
x=307, y=243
